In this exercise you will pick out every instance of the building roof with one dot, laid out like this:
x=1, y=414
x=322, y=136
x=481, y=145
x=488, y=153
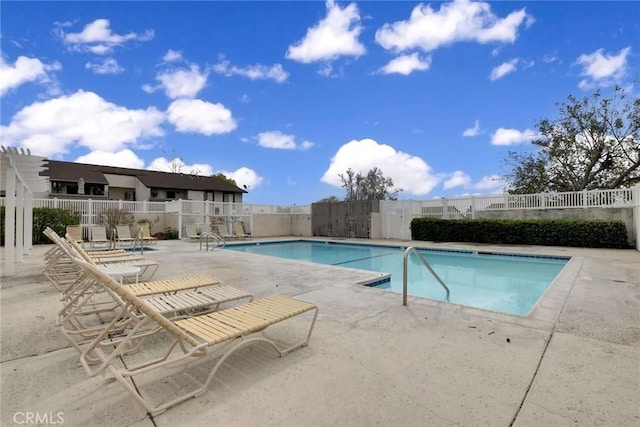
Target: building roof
x=94, y=174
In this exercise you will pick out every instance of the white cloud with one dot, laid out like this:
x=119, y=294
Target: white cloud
x=172, y=56
x=490, y=182
x=281, y=141
x=503, y=69
x=408, y=172
x=24, y=70
x=176, y=165
x=97, y=37
x=458, y=21
x=107, y=66
x=601, y=69
x=197, y=116
x=334, y=36
x=49, y=128
x=473, y=131
x=180, y=83
x=407, y=64
x=245, y=177
x=253, y=72
x=457, y=179
x=504, y=136
x=123, y=158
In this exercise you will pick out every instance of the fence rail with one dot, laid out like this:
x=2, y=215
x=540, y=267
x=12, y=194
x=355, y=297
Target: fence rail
x=396, y=215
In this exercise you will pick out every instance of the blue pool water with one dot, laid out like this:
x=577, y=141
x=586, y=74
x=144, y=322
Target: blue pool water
x=499, y=282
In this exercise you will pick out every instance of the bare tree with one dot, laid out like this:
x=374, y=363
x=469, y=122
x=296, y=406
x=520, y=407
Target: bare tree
x=372, y=186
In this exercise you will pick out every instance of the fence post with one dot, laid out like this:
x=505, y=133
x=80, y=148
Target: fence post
x=473, y=207
x=90, y=211
x=445, y=210
x=584, y=198
x=179, y=218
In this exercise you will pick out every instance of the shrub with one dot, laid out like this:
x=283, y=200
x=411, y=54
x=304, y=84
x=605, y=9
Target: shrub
x=170, y=233
x=565, y=232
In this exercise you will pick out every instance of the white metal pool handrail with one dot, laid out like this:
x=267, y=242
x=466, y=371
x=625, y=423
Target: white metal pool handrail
x=207, y=236
x=407, y=252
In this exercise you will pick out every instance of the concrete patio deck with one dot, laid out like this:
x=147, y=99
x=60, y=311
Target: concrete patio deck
x=575, y=360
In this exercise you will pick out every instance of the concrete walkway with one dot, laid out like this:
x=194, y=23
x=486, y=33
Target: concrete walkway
x=574, y=361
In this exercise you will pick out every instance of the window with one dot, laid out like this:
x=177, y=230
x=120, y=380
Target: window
x=171, y=194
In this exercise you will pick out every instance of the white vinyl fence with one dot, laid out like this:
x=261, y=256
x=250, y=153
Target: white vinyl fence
x=396, y=215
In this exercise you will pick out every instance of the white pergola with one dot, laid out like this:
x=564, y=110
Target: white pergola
x=19, y=179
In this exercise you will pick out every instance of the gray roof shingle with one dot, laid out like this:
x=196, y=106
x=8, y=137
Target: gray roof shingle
x=71, y=172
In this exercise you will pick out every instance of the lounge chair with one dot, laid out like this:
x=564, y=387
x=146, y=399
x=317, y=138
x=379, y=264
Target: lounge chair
x=192, y=232
x=148, y=267
x=184, y=296
x=145, y=234
x=124, y=235
x=75, y=231
x=191, y=338
x=99, y=236
x=240, y=233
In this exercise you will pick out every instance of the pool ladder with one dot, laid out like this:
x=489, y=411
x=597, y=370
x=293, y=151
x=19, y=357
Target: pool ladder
x=408, y=252
x=215, y=239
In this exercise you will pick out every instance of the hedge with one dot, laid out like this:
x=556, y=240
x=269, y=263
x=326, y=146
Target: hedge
x=57, y=219
x=554, y=232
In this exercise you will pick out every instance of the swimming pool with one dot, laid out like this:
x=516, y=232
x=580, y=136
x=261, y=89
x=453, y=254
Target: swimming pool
x=499, y=282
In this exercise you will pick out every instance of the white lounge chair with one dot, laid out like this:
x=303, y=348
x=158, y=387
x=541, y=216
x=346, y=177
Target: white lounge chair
x=124, y=235
x=191, y=339
x=99, y=236
x=145, y=234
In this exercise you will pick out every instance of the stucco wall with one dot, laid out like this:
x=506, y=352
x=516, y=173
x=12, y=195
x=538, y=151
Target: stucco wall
x=273, y=225
x=301, y=225
x=608, y=214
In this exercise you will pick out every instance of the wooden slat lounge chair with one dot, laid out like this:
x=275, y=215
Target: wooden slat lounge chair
x=191, y=338
x=176, y=297
x=147, y=267
x=124, y=235
x=99, y=236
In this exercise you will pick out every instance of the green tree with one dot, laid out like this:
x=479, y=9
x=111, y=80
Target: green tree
x=223, y=177
x=593, y=144
x=372, y=186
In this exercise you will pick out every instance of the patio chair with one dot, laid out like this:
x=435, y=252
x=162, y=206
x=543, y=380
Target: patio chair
x=75, y=231
x=240, y=233
x=99, y=236
x=124, y=235
x=192, y=232
x=147, y=267
x=183, y=296
x=145, y=234
x=190, y=339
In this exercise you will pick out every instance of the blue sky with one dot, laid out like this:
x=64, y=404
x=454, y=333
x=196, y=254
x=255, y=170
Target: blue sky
x=284, y=96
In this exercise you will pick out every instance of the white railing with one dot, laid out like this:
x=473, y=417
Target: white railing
x=397, y=215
